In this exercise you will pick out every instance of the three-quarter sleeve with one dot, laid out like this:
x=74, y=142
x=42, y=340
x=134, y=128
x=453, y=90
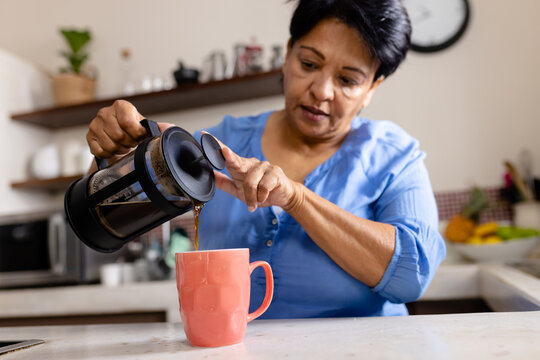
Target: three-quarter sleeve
x=407, y=202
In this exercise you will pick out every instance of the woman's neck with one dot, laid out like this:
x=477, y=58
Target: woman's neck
x=288, y=136
x=297, y=155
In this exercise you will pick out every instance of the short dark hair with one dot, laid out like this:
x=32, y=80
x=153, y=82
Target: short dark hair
x=383, y=24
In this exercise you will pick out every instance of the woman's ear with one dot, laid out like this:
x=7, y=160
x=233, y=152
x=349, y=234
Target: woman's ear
x=371, y=91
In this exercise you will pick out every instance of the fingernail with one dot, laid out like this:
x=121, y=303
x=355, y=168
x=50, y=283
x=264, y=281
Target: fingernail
x=251, y=208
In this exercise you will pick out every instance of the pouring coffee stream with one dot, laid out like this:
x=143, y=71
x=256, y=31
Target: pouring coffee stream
x=197, y=211
x=167, y=175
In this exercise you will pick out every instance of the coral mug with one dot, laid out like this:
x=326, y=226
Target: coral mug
x=214, y=289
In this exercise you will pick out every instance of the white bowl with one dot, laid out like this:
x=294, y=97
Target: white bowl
x=514, y=249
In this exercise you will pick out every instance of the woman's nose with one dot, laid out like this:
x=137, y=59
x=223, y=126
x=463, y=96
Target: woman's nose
x=322, y=88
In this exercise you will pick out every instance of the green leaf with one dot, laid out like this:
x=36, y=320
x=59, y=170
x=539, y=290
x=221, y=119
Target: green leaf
x=477, y=202
x=76, y=39
x=77, y=61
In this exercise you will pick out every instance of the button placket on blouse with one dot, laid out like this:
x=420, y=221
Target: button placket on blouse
x=273, y=232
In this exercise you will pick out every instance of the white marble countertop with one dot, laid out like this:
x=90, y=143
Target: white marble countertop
x=465, y=336
x=503, y=288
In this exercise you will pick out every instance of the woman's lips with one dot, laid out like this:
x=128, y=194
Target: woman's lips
x=313, y=114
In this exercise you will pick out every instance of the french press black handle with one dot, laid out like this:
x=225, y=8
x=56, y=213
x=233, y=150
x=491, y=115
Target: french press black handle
x=152, y=129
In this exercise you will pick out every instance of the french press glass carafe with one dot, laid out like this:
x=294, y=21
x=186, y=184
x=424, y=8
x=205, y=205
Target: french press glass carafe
x=165, y=176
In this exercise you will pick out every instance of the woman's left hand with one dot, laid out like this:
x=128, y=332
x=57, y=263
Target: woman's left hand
x=257, y=183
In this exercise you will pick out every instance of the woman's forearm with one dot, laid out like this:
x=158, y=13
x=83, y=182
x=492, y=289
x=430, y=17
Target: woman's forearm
x=363, y=248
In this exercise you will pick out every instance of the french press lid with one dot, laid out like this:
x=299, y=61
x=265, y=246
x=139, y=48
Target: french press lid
x=212, y=151
x=190, y=168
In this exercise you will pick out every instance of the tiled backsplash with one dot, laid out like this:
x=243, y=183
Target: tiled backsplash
x=452, y=202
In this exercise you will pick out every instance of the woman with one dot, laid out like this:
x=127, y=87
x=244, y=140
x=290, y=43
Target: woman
x=340, y=206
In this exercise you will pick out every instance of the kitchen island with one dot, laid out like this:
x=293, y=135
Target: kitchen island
x=504, y=335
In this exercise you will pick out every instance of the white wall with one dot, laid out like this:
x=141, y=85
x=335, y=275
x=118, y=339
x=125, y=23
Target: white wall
x=20, y=85
x=158, y=33
x=475, y=104
x=471, y=106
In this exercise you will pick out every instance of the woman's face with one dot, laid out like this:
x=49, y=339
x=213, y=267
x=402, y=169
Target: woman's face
x=328, y=78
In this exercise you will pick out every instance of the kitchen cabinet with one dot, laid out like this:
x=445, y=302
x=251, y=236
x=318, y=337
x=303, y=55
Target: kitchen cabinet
x=87, y=319
x=180, y=98
x=455, y=306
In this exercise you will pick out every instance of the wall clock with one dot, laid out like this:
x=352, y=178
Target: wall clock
x=437, y=24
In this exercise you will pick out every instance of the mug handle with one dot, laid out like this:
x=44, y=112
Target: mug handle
x=269, y=288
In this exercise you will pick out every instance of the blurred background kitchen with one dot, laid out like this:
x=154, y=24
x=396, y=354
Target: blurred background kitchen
x=473, y=106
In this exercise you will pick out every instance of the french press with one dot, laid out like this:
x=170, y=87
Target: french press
x=165, y=176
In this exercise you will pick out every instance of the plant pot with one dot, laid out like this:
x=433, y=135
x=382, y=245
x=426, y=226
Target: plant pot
x=70, y=89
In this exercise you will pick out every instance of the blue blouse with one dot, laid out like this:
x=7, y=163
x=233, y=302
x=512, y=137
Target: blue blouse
x=377, y=174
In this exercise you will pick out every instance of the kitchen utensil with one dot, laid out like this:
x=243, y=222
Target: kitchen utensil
x=526, y=164
x=214, y=291
x=277, y=57
x=520, y=184
x=185, y=75
x=238, y=66
x=165, y=176
x=215, y=65
x=254, y=53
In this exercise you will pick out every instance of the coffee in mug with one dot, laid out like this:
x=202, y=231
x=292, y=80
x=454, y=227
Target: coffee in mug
x=214, y=292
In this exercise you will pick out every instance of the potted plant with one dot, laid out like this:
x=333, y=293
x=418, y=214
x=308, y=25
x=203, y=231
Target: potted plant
x=75, y=84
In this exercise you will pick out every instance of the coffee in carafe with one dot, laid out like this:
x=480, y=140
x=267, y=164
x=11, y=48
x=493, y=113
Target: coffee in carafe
x=167, y=175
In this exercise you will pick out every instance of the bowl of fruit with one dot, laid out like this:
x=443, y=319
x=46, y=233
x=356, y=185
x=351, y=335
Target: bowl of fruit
x=493, y=242
x=489, y=241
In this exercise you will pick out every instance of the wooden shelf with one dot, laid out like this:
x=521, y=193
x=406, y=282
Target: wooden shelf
x=180, y=98
x=54, y=184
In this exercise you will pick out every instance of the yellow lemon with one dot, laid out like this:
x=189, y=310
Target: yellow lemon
x=494, y=239
x=475, y=240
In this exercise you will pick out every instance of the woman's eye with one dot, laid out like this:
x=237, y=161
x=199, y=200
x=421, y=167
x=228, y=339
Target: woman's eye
x=347, y=81
x=308, y=65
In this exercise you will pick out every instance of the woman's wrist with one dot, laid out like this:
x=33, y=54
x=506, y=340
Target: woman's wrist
x=297, y=198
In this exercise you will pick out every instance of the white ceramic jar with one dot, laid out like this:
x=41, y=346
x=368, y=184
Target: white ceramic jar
x=527, y=214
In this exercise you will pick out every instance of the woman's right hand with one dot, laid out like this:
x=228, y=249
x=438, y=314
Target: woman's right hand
x=115, y=130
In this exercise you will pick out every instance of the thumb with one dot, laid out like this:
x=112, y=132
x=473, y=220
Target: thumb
x=223, y=182
x=164, y=126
